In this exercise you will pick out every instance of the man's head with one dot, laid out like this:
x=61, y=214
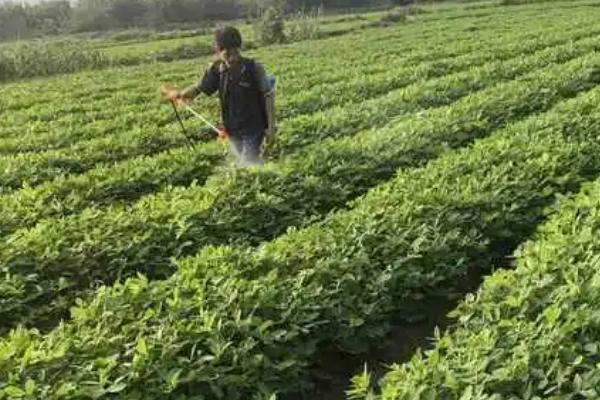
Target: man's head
x=228, y=38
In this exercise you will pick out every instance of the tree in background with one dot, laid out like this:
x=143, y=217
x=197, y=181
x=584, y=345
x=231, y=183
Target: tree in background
x=91, y=15
x=59, y=16
x=13, y=21
x=127, y=13
x=50, y=17
x=270, y=28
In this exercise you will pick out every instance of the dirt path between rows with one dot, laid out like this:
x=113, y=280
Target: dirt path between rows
x=335, y=368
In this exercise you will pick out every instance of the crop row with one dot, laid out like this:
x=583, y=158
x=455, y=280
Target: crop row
x=529, y=333
x=95, y=114
x=499, y=47
x=110, y=95
x=373, y=113
x=133, y=178
x=367, y=81
x=47, y=265
x=34, y=168
x=233, y=323
x=190, y=70
x=127, y=108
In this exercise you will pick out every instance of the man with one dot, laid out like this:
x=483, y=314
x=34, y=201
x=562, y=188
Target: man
x=245, y=94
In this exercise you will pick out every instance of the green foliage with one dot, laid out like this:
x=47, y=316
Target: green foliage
x=361, y=387
x=287, y=183
x=182, y=52
x=270, y=28
x=519, y=2
x=24, y=60
x=391, y=17
x=255, y=318
x=398, y=15
x=390, y=177
x=304, y=25
x=530, y=332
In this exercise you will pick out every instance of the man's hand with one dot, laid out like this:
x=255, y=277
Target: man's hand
x=171, y=94
x=177, y=96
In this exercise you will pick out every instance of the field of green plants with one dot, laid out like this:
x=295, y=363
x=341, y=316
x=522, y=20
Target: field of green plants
x=466, y=137
x=73, y=53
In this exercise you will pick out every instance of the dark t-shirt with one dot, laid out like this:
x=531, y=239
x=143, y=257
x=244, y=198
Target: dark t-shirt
x=242, y=97
x=209, y=83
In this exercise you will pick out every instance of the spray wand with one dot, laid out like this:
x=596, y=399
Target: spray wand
x=167, y=94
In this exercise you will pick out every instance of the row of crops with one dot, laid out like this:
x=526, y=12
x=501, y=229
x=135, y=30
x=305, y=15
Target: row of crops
x=531, y=332
x=137, y=267
x=38, y=259
x=90, y=156
x=131, y=179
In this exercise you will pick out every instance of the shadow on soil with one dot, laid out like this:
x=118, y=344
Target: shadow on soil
x=333, y=371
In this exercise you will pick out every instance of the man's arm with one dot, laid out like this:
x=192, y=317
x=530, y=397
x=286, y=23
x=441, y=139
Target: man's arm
x=208, y=85
x=185, y=95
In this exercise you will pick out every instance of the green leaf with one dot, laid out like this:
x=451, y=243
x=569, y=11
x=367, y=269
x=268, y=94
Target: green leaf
x=591, y=348
x=14, y=392
x=173, y=377
x=356, y=321
x=29, y=387
x=552, y=314
x=142, y=347
x=65, y=389
x=117, y=387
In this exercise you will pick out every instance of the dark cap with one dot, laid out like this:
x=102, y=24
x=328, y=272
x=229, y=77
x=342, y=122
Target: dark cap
x=228, y=38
